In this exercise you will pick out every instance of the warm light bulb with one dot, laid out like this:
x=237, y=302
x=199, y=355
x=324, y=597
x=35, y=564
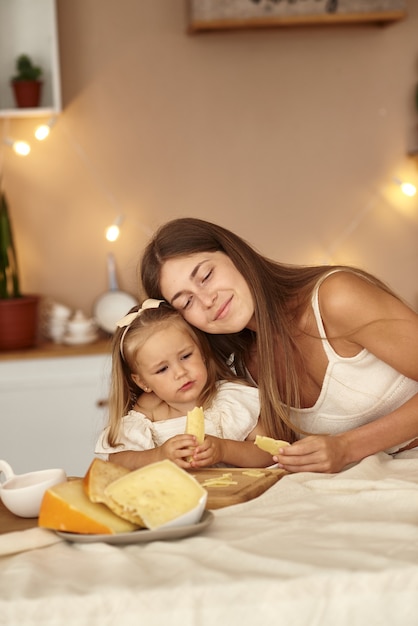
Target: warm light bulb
x=42, y=132
x=112, y=232
x=22, y=148
x=408, y=189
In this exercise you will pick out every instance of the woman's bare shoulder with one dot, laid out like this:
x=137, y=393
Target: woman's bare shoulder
x=339, y=288
x=347, y=298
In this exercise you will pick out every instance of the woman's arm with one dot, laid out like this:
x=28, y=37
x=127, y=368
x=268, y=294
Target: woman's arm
x=370, y=318
x=330, y=454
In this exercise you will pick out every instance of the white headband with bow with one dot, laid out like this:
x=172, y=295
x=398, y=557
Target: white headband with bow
x=151, y=303
x=126, y=321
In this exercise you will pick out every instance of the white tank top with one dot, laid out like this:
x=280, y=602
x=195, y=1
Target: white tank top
x=356, y=390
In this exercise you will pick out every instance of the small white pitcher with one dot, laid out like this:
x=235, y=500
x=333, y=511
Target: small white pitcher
x=22, y=494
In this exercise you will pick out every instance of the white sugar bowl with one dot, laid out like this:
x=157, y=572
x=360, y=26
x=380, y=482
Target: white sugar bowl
x=80, y=329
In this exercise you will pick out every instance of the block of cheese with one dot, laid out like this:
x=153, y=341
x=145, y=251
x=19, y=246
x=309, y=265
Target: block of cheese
x=270, y=445
x=155, y=494
x=99, y=475
x=195, y=424
x=66, y=507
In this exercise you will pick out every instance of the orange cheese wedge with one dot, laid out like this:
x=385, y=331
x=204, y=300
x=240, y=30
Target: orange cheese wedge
x=66, y=507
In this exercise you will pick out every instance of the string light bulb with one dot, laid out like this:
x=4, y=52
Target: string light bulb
x=22, y=148
x=407, y=188
x=113, y=231
x=42, y=131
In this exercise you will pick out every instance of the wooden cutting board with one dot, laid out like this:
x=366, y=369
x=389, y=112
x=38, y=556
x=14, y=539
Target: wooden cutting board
x=242, y=484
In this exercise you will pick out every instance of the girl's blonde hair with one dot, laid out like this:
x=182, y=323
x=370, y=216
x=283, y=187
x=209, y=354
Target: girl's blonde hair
x=126, y=342
x=280, y=292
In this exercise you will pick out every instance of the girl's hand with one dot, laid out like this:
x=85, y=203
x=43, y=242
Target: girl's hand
x=179, y=450
x=208, y=453
x=316, y=453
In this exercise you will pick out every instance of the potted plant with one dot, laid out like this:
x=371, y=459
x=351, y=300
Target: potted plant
x=27, y=84
x=18, y=312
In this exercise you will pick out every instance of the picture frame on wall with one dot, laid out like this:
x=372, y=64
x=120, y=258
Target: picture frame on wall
x=206, y=15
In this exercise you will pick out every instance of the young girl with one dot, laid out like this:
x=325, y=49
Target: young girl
x=333, y=350
x=161, y=369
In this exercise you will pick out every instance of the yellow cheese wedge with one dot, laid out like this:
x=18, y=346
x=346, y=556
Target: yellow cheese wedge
x=155, y=494
x=195, y=424
x=270, y=445
x=99, y=475
x=66, y=507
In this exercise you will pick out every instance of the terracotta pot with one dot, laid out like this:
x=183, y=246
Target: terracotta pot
x=19, y=322
x=27, y=93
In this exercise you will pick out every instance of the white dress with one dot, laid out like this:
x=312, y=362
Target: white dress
x=233, y=415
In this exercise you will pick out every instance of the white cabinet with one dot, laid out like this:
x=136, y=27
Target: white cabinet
x=29, y=27
x=50, y=413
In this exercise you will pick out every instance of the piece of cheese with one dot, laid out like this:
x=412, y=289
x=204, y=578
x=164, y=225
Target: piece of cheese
x=255, y=473
x=195, y=424
x=220, y=481
x=99, y=475
x=270, y=445
x=66, y=507
x=155, y=494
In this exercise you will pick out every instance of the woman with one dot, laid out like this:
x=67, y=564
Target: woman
x=333, y=350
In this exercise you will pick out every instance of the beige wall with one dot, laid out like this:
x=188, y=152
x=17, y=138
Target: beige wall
x=289, y=136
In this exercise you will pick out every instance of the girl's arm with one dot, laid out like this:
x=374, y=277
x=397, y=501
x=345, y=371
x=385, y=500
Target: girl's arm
x=134, y=459
x=238, y=453
x=177, y=449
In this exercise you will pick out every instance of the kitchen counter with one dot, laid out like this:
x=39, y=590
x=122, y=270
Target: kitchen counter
x=49, y=349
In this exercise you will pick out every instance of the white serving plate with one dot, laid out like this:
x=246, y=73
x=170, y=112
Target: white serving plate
x=143, y=536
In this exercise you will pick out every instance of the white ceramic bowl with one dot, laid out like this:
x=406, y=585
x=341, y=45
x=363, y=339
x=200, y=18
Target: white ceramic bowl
x=22, y=494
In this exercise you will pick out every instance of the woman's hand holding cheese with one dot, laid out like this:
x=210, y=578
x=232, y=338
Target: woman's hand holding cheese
x=316, y=453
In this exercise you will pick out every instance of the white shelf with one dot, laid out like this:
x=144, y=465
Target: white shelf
x=29, y=27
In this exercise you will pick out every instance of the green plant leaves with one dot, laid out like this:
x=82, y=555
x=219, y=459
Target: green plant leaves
x=9, y=274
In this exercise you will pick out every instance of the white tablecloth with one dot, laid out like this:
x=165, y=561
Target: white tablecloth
x=314, y=549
